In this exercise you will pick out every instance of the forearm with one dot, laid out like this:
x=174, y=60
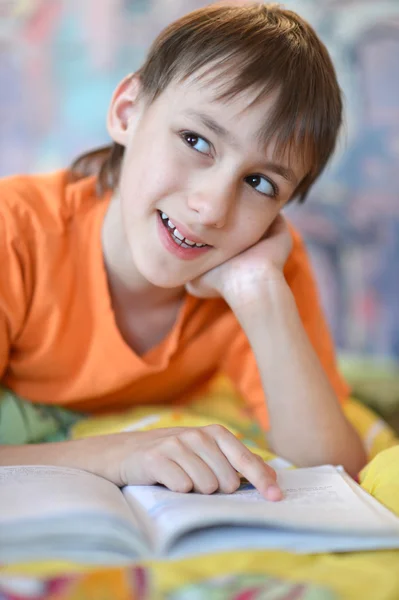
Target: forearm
x=307, y=425
x=96, y=455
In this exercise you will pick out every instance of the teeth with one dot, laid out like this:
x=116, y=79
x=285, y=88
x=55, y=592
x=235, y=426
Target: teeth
x=177, y=233
x=185, y=243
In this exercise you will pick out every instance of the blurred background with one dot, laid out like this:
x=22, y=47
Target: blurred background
x=59, y=63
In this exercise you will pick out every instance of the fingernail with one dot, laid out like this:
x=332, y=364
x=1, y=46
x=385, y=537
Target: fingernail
x=273, y=493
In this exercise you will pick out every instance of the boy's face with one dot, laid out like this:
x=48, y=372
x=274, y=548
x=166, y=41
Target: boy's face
x=195, y=169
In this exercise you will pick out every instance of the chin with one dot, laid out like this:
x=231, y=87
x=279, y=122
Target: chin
x=162, y=278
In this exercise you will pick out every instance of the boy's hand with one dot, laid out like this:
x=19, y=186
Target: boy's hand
x=243, y=273
x=184, y=459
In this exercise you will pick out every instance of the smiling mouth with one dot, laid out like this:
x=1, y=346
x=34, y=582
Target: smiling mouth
x=178, y=237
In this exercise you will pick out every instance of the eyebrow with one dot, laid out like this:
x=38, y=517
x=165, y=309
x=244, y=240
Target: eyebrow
x=211, y=124
x=284, y=172
x=222, y=132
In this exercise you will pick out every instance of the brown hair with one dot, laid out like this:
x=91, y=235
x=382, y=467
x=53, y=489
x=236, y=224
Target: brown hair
x=257, y=46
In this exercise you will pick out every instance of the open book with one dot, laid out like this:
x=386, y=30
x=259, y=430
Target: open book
x=67, y=513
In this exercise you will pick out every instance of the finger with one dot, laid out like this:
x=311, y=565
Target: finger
x=244, y=461
x=168, y=473
x=202, y=476
x=160, y=432
x=205, y=446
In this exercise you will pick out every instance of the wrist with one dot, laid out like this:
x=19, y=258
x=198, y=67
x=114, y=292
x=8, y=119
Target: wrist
x=259, y=297
x=108, y=454
x=101, y=455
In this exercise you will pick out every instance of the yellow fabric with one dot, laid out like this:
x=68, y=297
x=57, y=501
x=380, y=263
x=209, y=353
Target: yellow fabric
x=381, y=479
x=365, y=576
x=221, y=404
x=374, y=431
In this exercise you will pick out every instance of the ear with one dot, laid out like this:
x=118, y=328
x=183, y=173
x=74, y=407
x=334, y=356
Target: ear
x=124, y=107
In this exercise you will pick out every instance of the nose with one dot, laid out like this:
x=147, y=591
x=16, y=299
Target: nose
x=213, y=201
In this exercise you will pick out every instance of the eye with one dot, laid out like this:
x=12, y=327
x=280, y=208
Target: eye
x=196, y=142
x=262, y=185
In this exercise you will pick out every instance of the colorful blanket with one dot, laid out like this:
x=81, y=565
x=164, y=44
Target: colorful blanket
x=240, y=575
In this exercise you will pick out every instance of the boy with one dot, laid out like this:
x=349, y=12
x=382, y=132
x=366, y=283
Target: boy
x=234, y=113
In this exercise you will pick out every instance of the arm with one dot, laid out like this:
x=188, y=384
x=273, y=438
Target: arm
x=203, y=459
x=307, y=425
x=279, y=312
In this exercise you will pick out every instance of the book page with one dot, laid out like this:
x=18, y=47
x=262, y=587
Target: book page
x=44, y=491
x=315, y=499
x=68, y=505
x=237, y=537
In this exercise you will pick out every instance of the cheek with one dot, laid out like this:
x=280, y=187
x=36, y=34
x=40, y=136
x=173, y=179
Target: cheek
x=251, y=226
x=152, y=174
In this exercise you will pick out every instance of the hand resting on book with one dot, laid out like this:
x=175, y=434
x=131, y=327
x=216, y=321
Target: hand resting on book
x=200, y=459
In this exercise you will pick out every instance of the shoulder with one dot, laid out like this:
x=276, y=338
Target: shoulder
x=29, y=203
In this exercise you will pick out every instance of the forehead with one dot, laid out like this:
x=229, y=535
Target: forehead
x=209, y=90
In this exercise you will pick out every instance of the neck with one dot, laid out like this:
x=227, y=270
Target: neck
x=126, y=283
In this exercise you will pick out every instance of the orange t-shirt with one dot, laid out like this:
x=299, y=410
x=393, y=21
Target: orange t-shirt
x=59, y=342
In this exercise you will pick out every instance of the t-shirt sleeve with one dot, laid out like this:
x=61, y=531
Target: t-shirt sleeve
x=13, y=280
x=239, y=363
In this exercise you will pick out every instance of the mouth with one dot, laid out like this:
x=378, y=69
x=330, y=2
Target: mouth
x=177, y=236
x=175, y=242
